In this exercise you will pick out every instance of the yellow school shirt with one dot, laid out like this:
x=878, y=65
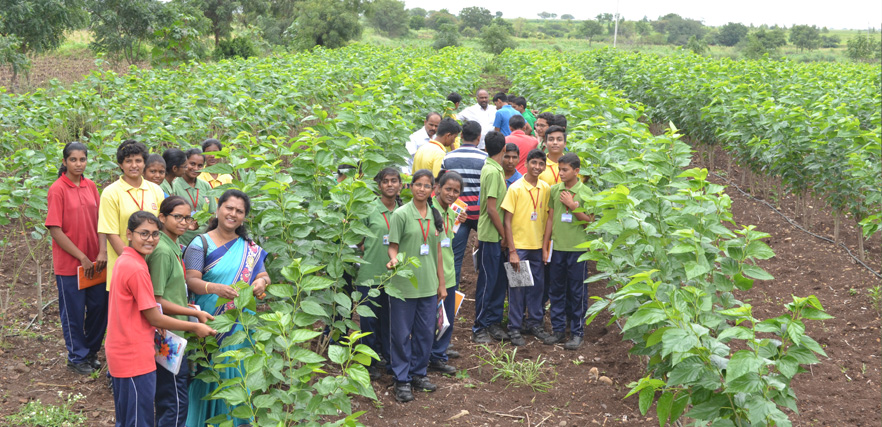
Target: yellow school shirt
x=118, y=202
x=456, y=144
x=429, y=156
x=222, y=179
x=551, y=174
x=522, y=199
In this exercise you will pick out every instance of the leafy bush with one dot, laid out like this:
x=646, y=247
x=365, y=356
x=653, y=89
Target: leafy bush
x=496, y=39
x=469, y=32
x=326, y=23
x=389, y=17
x=446, y=36
x=698, y=47
x=237, y=47
x=179, y=41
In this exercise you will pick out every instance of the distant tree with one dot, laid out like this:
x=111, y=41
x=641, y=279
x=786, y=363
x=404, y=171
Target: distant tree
x=830, y=42
x=469, y=33
x=519, y=28
x=10, y=54
x=39, y=25
x=604, y=17
x=327, y=23
x=553, y=15
x=498, y=14
x=805, y=37
x=544, y=15
x=862, y=48
x=590, y=29
x=389, y=17
x=418, y=11
x=447, y=36
x=770, y=40
x=417, y=18
x=475, y=17
x=696, y=45
x=496, y=38
x=504, y=23
x=221, y=13
x=679, y=30
x=122, y=28
x=752, y=47
x=825, y=30
x=438, y=18
x=731, y=33
x=644, y=28
x=567, y=17
x=553, y=29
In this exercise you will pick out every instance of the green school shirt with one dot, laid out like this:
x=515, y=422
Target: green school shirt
x=567, y=235
x=406, y=231
x=166, y=188
x=449, y=217
x=376, y=254
x=167, y=273
x=492, y=185
x=530, y=118
x=201, y=195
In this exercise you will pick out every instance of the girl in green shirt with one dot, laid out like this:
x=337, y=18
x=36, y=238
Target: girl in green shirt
x=415, y=231
x=195, y=191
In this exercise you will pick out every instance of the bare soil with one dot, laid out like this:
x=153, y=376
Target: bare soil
x=65, y=69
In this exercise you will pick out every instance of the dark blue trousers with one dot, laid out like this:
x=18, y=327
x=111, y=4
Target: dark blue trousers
x=172, y=397
x=527, y=299
x=439, y=346
x=491, y=286
x=412, y=329
x=460, y=242
x=568, y=292
x=378, y=326
x=83, y=317
x=133, y=400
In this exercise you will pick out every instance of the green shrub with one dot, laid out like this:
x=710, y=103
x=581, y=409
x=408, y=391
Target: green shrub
x=237, y=47
x=447, y=36
x=496, y=38
x=469, y=32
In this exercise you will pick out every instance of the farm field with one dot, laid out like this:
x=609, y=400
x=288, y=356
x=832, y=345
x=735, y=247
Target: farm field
x=292, y=119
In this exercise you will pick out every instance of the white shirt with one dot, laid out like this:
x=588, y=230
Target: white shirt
x=482, y=116
x=417, y=140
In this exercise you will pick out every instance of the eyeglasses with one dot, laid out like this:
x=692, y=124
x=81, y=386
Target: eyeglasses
x=146, y=235
x=182, y=218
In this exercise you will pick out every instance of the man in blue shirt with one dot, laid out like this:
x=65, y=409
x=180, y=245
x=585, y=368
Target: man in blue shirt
x=504, y=111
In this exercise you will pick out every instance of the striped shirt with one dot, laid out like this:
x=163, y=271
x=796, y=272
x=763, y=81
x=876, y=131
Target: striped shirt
x=468, y=161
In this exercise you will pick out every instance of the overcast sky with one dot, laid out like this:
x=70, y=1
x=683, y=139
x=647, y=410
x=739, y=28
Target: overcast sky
x=851, y=14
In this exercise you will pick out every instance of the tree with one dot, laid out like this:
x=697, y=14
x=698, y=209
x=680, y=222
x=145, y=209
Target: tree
x=388, y=17
x=862, y=48
x=678, y=29
x=519, y=28
x=753, y=47
x=805, y=37
x=447, y=36
x=731, y=33
x=498, y=14
x=544, y=15
x=567, y=17
x=220, y=12
x=122, y=28
x=553, y=15
x=772, y=39
x=39, y=25
x=418, y=11
x=271, y=17
x=696, y=45
x=830, y=42
x=643, y=27
x=10, y=54
x=328, y=23
x=496, y=38
x=417, y=18
x=438, y=18
x=590, y=29
x=475, y=17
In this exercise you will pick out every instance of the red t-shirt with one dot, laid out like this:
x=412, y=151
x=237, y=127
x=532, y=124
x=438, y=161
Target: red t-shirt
x=129, y=346
x=525, y=144
x=74, y=209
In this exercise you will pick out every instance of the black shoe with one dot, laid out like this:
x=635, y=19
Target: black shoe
x=93, y=361
x=516, y=338
x=574, y=343
x=442, y=367
x=452, y=354
x=497, y=332
x=403, y=392
x=538, y=332
x=554, y=338
x=422, y=384
x=82, y=368
x=375, y=371
x=481, y=337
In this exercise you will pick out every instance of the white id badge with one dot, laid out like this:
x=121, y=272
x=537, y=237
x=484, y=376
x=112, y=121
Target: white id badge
x=424, y=249
x=534, y=216
x=566, y=217
x=386, y=239
x=445, y=242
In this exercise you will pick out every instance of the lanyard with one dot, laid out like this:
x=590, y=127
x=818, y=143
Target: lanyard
x=438, y=144
x=446, y=223
x=388, y=227
x=196, y=200
x=141, y=206
x=555, y=175
x=534, y=200
x=426, y=231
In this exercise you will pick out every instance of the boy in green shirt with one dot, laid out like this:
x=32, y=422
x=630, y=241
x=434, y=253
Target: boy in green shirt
x=566, y=228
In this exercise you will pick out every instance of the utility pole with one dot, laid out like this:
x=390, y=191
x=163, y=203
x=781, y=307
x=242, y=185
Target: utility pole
x=616, y=31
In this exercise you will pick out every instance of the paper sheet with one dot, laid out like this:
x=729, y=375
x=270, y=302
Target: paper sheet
x=521, y=278
x=441, y=321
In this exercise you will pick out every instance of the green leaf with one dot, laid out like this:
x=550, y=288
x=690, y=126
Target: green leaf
x=337, y=354
x=735, y=332
x=758, y=250
x=663, y=408
x=695, y=269
x=756, y=272
x=678, y=340
x=645, y=400
x=315, y=283
x=742, y=362
x=301, y=335
x=646, y=315
x=742, y=282
x=708, y=410
x=747, y=383
x=313, y=308
x=359, y=374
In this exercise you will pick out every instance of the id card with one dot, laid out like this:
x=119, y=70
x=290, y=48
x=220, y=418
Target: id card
x=386, y=239
x=534, y=216
x=424, y=249
x=445, y=242
x=566, y=217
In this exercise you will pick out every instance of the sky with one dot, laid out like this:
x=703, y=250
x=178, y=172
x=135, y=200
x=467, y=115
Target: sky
x=841, y=14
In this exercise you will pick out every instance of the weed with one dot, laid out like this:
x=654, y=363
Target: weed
x=852, y=292
x=35, y=413
x=530, y=373
x=462, y=374
x=578, y=362
x=876, y=297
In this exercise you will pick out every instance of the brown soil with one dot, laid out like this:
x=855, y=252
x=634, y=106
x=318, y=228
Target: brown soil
x=66, y=70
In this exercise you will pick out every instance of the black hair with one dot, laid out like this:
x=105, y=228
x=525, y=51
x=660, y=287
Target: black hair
x=69, y=148
x=555, y=128
x=517, y=121
x=494, y=142
x=454, y=97
x=169, y=204
x=511, y=146
x=521, y=101
x=571, y=159
x=174, y=158
x=448, y=126
x=128, y=148
x=471, y=131
x=560, y=120
x=194, y=152
x=447, y=175
x=477, y=92
x=154, y=158
x=536, y=154
x=241, y=231
x=435, y=214
x=511, y=99
x=433, y=113
x=548, y=117
x=500, y=95
x=209, y=142
x=381, y=175
x=141, y=217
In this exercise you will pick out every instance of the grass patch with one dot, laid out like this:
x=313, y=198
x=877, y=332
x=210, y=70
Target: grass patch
x=35, y=413
x=526, y=372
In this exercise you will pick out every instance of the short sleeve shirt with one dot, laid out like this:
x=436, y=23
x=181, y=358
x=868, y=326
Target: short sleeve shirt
x=522, y=200
x=448, y=217
x=166, y=188
x=197, y=197
x=73, y=208
x=118, y=202
x=567, y=235
x=221, y=179
x=551, y=174
x=376, y=253
x=129, y=344
x=502, y=117
x=492, y=185
x=514, y=177
x=429, y=156
x=410, y=230
x=525, y=144
x=167, y=272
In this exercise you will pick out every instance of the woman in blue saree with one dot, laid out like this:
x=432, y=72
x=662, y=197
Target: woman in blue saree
x=223, y=258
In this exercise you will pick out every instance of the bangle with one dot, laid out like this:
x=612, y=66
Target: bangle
x=206, y=287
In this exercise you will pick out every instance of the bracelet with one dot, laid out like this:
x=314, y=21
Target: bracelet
x=206, y=288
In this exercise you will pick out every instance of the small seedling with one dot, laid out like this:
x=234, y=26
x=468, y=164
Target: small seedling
x=578, y=362
x=462, y=374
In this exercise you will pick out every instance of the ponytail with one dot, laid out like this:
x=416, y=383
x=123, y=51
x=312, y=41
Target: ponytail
x=439, y=223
